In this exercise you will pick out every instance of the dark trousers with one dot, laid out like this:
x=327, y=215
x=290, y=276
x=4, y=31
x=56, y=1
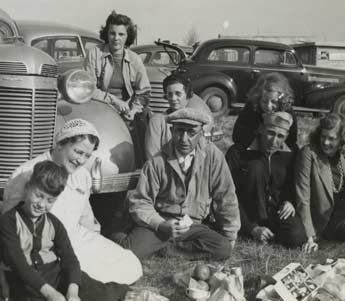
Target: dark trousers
x=200, y=238
x=89, y=290
x=260, y=205
x=335, y=229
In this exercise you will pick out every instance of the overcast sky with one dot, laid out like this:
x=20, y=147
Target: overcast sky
x=172, y=19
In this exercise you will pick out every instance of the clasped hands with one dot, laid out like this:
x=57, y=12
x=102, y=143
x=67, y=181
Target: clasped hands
x=172, y=228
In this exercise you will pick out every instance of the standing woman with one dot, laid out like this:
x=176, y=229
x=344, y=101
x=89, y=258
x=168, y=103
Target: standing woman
x=121, y=76
x=319, y=182
x=99, y=257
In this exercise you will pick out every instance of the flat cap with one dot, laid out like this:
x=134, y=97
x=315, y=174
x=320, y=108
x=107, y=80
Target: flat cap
x=189, y=116
x=75, y=127
x=281, y=120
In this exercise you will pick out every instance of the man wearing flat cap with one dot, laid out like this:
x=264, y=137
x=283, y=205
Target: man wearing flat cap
x=264, y=184
x=179, y=188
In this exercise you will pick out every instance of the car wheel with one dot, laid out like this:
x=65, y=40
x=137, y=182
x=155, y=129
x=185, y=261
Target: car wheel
x=339, y=105
x=217, y=100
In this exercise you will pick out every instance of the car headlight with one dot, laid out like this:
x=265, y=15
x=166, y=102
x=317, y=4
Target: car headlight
x=77, y=86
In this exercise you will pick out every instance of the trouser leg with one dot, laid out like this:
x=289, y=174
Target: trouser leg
x=91, y=289
x=335, y=229
x=143, y=242
x=288, y=232
x=254, y=192
x=204, y=239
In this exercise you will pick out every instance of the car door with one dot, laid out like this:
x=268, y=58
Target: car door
x=233, y=61
x=66, y=50
x=284, y=61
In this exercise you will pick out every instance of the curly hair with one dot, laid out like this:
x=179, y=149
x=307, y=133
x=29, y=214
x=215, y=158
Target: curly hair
x=329, y=122
x=178, y=79
x=118, y=19
x=270, y=82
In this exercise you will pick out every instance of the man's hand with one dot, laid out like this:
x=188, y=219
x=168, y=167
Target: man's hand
x=310, y=246
x=72, y=292
x=172, y=228
x=286, y=210
x=262, y=234
x=51, y=294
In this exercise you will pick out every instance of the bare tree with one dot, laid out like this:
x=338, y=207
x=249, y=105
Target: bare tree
x=191, y=37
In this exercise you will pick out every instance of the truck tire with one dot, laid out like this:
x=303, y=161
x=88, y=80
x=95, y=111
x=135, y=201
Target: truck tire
x=339, y=105
x=217, y=100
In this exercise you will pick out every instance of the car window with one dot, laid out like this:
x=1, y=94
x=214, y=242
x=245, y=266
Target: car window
x=90, y=43
x=59, y=48
x=67, y=48
x=164, y=58
x=41, y=45
x=274, y=57
x=230, y=54
x=145, y=56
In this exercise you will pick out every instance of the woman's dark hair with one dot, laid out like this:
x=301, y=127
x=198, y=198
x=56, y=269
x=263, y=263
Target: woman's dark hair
x=329, y=122
x=48, y=177
x=270, y=82
x=118, y=19
x=178, y=79
x=92, y=139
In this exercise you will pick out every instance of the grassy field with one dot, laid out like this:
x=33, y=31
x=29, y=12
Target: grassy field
x=254, y=258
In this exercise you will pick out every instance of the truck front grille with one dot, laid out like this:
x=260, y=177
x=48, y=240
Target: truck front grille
x=13, y=68
x=49, y=70
x=158, y=104
x=27, y=121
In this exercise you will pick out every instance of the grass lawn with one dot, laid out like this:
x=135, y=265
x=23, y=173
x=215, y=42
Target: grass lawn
x=255, y=259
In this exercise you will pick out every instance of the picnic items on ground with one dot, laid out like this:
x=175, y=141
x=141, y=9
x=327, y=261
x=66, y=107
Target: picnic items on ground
x=209, y=283
x=316, y=282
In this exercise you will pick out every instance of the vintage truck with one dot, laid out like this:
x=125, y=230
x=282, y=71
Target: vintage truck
x=35, y=102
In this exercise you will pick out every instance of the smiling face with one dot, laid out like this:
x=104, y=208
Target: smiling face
x=117, y=37
x=37, y=202
x=176, y=96
x=269, y=101
x=186, y=137
x=73, y=155
x=330, y=141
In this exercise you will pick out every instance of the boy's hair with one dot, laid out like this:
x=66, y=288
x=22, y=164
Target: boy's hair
x=49, y=177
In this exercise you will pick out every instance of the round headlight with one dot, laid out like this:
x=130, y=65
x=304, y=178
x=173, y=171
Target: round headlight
x=77, y=86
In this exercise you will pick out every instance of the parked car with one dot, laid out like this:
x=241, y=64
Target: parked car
x=30, y=111
x=159, y=61
x=66, y=44
x=223, y=70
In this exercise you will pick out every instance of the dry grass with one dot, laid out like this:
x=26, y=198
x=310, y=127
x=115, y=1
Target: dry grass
x=255, y=259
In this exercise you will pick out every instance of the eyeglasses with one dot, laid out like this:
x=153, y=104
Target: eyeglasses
x=191, y=133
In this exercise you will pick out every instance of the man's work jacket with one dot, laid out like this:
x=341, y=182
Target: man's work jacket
x=162, y=192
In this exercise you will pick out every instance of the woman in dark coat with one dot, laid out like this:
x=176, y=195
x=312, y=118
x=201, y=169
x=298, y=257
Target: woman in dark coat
x=271, y=93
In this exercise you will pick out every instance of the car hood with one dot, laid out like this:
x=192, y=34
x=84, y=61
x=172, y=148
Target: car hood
x=325, y=75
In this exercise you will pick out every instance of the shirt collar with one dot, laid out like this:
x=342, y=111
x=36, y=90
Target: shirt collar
x=106, y=53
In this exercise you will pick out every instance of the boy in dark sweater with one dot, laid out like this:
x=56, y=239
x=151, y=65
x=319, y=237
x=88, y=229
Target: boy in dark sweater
x=36, y=248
